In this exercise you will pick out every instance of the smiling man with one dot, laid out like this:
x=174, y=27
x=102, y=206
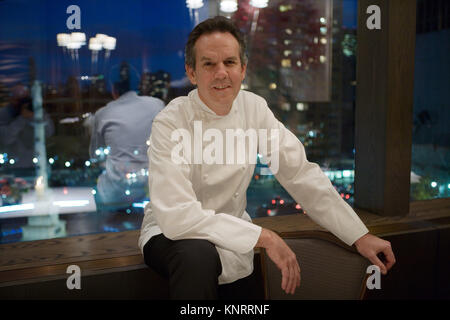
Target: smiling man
x=219, y=72
x=196, y=232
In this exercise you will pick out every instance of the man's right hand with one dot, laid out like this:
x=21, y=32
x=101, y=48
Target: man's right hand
x=283, y=257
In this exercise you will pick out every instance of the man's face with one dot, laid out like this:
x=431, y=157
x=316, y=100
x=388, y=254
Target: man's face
x=218, y=71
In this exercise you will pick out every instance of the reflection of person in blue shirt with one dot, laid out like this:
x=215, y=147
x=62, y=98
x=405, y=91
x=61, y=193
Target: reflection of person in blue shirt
x=17, y=131
x=123, y=126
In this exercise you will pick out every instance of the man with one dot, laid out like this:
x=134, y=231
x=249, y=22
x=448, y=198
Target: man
x=123, y=125
x=17, y=131
x=195, y=230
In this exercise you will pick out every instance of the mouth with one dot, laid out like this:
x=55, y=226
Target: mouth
x=221, y=88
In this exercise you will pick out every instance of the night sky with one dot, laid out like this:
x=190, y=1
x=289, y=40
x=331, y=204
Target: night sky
x=150, y=36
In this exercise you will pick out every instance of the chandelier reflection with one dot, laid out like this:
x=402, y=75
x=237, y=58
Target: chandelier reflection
x=73, y=42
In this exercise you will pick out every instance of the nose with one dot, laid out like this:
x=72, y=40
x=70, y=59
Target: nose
x=221, y=72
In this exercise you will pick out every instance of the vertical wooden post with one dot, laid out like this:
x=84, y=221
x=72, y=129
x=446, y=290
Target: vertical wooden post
x=384, y=107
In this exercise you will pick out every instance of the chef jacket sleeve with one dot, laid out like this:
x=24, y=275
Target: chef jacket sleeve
x=175, y=206
x=306, y=182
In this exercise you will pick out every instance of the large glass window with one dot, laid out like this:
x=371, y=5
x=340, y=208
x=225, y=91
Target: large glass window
x=302, y=59
x=55, y=82
x=430, y=176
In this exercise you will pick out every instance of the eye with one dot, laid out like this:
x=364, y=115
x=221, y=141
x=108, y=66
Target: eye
x=230, y=62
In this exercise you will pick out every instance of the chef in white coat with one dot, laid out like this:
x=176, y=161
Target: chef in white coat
x=196, y=231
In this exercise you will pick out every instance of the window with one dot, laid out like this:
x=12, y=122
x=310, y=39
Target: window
x=46, y=166
x=302, y=60
x=430, y=176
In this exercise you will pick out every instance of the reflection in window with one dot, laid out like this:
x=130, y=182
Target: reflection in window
x=430, y=176
x=301, y=60
x=54, y=86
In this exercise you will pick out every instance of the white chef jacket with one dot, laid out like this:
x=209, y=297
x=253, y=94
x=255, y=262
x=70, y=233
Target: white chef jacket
x=208, y=201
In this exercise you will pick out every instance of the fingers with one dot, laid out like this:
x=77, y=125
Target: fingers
x=390, y=258
x=288, y=280
x=292, y=280
x=387, y=256
x=290, y=277
x=374, y=259
x=369, y=246
x=285, y=259
x=284, y=278
x=294, y=277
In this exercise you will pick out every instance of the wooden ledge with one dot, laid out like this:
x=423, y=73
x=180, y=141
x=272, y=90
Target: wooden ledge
x=46, y=259
x=35, y=261
x=58, y=271
x=423, y=215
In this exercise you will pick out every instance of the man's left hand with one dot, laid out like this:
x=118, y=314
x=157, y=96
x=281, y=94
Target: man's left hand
x=369, y=246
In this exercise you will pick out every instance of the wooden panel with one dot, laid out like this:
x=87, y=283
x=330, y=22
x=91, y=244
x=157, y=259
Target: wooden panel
x=400, y=101
x=370, y=125
x=414, y=274
x=47, y=260
x=142, y=283
x=67, y=250
x=434, y=207
x=57, y=271
x=25, y=262
x=443, y=265
x=132, y=284
x=384, y=103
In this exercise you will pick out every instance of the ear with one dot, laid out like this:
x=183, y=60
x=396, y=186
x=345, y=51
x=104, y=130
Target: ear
x=244, y=71
x=191, y=74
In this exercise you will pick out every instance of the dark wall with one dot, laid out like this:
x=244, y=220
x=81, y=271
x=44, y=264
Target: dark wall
x=421, y=270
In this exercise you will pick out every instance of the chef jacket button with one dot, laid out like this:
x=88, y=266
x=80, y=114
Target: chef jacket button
x=236, y=194
x=205, y=176
x=243, y=168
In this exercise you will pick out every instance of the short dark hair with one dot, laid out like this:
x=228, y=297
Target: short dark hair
x=216, y=24
x=121, y=87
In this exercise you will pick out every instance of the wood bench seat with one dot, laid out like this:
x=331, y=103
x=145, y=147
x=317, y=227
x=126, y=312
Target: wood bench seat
x=113, y=267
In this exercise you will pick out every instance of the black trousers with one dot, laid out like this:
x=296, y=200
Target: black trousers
x=192, y=267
